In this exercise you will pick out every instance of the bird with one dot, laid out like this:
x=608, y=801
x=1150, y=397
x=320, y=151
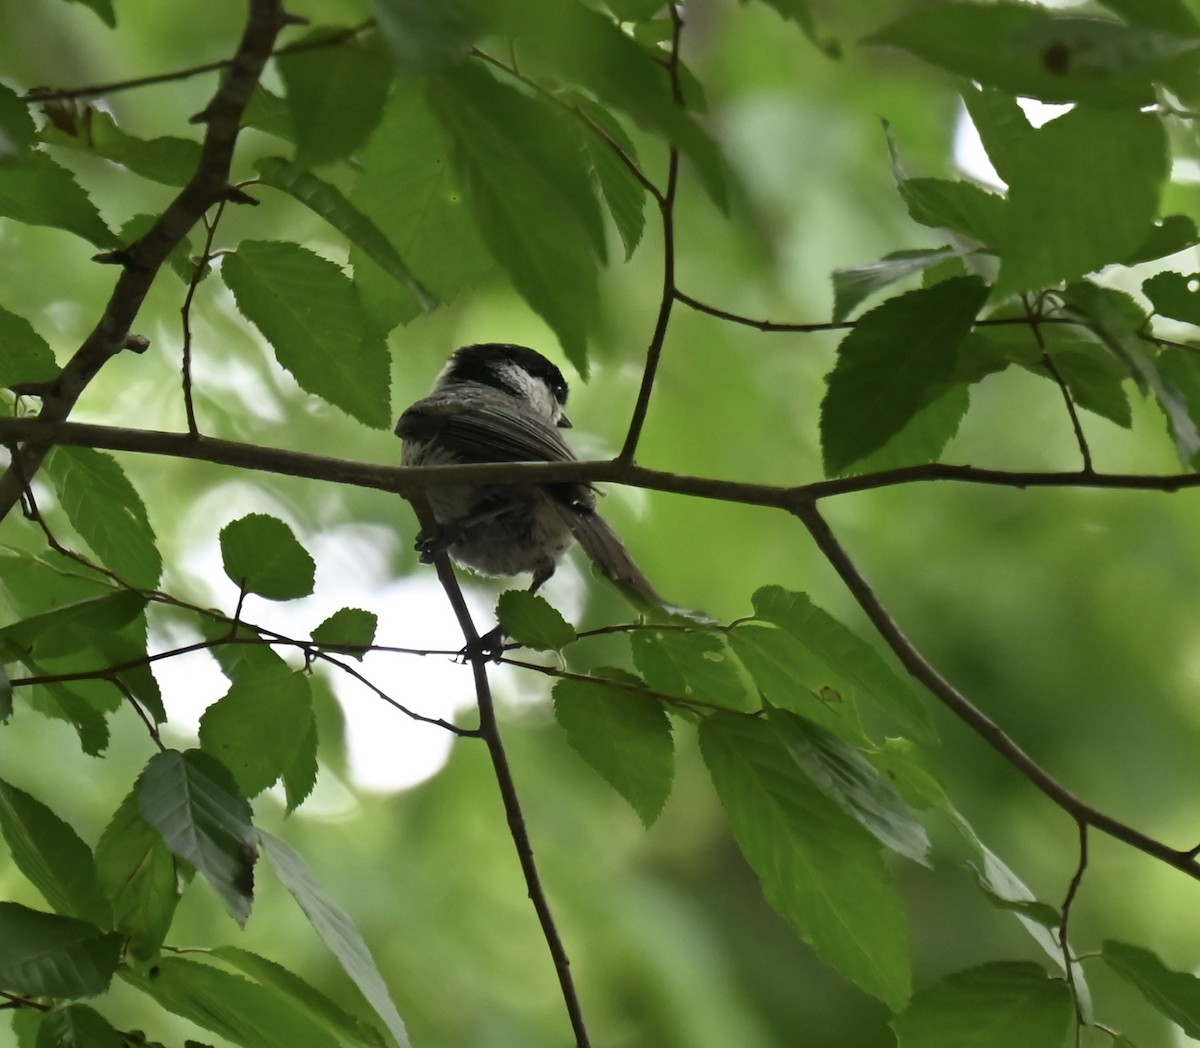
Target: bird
x=499, y=402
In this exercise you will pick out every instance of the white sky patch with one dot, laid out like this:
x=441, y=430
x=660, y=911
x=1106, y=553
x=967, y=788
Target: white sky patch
x=972, y=158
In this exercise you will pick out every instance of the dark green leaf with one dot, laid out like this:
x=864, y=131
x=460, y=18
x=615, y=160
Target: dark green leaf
x=170, y=161
x=17, y=130
x=898, y=358
x=306, y=307
x=335, y=95
x=424, y=36
x=349, y=630
x=261, y=554
x=923, y=437
x=105, y=508
x=300, y=776
x=692, y=664
x=1095, y=379
x=818, y=867
x=45, y=955
x=67, y=703
x=6, y=693
x=37, y=191
x=961, y=206
x=800, y=12
x=1172, y=234
x=232, y=1007
x=256, y=728
x=853, y=783
x=70, y=628
x=51, y=855
x=855, y=284
x=77, y=1026
x=518, y=156
x=625, y=737
x=137, y=872
x=267, y=112
x=530, y=620
x=854, y=667
x=623, y=193
x=194, y=803
x=1175, y=994
x=104, y=10
x=1040, y=912
x=336, y=930
x=27, y=357
x=1174, y=295
x=328, y=202
x=998, y=1005
x=1026, y=50
x=1003, y=128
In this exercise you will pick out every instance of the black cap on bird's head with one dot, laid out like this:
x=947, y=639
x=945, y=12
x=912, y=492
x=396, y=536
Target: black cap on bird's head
x=487, y=363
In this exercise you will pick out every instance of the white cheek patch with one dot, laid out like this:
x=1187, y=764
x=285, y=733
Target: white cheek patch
x=534, y=392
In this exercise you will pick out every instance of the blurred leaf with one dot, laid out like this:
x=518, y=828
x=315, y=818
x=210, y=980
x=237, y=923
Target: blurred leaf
x=306, y=307
x=27, y=357
x=897, y=359
x=1029, y=51
x=168, y=160
x=1171, y=16
x=853, y=783
x=6, y=693
x=328, y=202
x=424, y=36
x=348, y=630
x=624, y=195
x=335, y=95
x=1083, y=194
x=105, y=508
x=45, y=955
x=690, y=663
x=997, y=1005
x=1040, y=912
x=300, y=776
x=137, y=872
x=1172, y=234
x=624, y=737
x=37, y=191
x=634, y=10
x=77, y=1026
x=516, y=158
x=854, y=284
x=104, y=10
x=261, y=554
x=800, y=12
x=818, y=867
x=336, y=930
x=1175, y=994
x=179, y=261
x=256, y=728
x=1174, y=295
x=17, y=130
x=269, y=113
x=846, y=656
x=51, y=855
x=530, y=620
x=70, y=628
x=230, y=1006
x=194, y=803
x=303, y=995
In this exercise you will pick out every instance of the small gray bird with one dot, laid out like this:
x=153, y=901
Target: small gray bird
x=503, y=403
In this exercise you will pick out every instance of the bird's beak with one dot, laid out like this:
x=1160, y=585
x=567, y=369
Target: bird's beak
x=564, y=422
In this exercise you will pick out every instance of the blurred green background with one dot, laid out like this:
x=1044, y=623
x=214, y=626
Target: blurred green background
x=1071, y=617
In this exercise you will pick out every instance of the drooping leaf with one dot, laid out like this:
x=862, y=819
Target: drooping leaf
x=624, y=195
x=854, y=284
x=532, y=621
x=1003, y=128
x=818, y=867
x=169, y=160
x=623, y=736
x=27, y=357
x=996, y=1005
x=1175, y=994
x=70, y=628
x=194, y=803
x=337, y=931
x=1034, y=909
x=692, y=664
x=106, y=509
x=261, y=554
x=300, y=776
x=17, y=130
x=46, y=955
x=1094, y=378
x=51, y=855
x=898, y=358
x=347, y=630
x=78, y=1026
x=37, y=191
x=306, y=307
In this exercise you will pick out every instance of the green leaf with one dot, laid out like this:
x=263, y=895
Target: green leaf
x=1003, y=128
x=261, y=554
x=425, y=36
x=137, y=872
x=70, y=628
x=105, y=508
x=230, y=1006
x=997, y=1005
x=531, y=620
x=37, y=191
x=66, y=703
x=51, y=855
x=692, y=664
x=1093, y=377
x=624, y=195
x=103, y=9
x=1040, y=912
x=518, y=156
x=1171, y=16
x=6, y=693
x=1029, y=51
x=1083, y=194
x=854, y=284
x=923, y=437
x=335, y=95
x=408, y=188
x=348, y=630
x=1175, y=994
x=303, y=995
x=853, y=783
x=26, y=357
x=1172, y=234
x=818, y=867
x=300, y=776
x=179, y=261
x=328, y=202
x=256, y=728
x=624, y=737
x=306, y=307
x=77, y=1026
x=336, y=930
x=168, y=160
x=1174, y=295
x=45, y=955
x=899, y=357
x=194, y=803
x=961, y=206
x=854, y=666
x=17, y=130
x=800, y=12
x=269, y=113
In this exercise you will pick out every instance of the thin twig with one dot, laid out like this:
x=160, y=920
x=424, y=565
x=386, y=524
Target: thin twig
x=200, y=270
x=1035, y=319
x=1064, y=923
